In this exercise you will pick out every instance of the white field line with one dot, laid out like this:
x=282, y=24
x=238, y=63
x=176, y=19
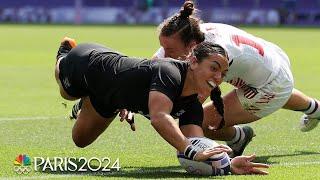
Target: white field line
x=296, y=163
x=30, y=118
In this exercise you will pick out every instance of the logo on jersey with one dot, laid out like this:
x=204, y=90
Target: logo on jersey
x=237, y=82
x=179, y=113
x=66, y=82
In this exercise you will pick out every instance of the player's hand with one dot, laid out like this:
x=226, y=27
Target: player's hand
x=244, y=165
x=128, y=116
x=204, y=155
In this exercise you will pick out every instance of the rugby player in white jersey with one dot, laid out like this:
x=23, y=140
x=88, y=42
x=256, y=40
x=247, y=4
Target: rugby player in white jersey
x=259, y=70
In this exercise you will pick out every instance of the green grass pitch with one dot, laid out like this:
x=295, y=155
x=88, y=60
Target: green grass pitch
x=32, y=115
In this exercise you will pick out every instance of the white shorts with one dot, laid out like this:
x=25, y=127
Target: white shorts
x=271, y=97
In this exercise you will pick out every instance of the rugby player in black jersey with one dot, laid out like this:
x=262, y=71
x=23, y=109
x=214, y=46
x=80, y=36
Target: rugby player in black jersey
x=161, y=90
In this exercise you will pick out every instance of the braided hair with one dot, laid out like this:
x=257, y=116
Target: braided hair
x=184, y=23
x=217, y=101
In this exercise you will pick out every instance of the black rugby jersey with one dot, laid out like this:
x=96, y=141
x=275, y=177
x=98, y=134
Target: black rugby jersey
x=119, y=82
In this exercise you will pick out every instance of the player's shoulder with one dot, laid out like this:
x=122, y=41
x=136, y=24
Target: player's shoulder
x=215, y=26
x=170, y=67
x=169, y=64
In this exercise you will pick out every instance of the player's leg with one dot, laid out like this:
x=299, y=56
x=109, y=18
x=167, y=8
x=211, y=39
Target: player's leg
x=76, y=108
x=237, y=137
x=89, y=124
x=71, y=68
x=310, y=107
x=249, y=104
x=65, y=47
x=234, y=113
x=297, y=101
x=83, y=51
x=62, y=91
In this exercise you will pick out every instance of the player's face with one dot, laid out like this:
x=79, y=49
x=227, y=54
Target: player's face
x=174, y=47
x=209, y=73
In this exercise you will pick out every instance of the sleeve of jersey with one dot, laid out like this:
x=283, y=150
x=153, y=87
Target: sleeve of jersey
x=167, y=80
x=193, y=115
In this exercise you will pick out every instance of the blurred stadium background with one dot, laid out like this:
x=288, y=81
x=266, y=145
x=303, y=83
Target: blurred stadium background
x=261, y=12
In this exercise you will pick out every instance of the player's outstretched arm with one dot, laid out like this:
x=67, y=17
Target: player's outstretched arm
x=160, y=107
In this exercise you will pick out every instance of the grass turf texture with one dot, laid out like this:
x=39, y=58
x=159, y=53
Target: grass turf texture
x=28, y=89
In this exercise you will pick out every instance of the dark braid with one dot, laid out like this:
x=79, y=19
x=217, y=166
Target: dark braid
x=217, y=100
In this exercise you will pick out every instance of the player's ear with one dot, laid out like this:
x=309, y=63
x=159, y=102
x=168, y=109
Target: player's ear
x=193, y=62
x=192, y=44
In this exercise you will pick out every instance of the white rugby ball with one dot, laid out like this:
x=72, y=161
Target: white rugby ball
x=218, y=164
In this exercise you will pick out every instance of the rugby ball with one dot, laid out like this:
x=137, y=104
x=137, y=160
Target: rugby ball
x=218, y=164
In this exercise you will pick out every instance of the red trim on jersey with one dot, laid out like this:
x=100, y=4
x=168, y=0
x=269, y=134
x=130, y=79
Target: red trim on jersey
x=243, y=40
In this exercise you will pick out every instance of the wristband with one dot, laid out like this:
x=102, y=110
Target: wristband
x=190, y=152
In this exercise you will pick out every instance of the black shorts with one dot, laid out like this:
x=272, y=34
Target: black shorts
x=81, y=75
x=73, y=67
x=103, y=109
x=102, y=83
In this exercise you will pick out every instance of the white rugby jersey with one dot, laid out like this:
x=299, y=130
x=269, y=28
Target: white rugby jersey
x=253, y=61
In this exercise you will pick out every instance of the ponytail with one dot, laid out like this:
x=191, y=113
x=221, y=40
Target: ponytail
x=184, y=23
x=186, y=10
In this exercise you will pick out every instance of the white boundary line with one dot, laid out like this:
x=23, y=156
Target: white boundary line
x=30, y=118
x=297, y=163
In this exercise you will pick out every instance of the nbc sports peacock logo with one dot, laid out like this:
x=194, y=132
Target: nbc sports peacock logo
x=22, y=164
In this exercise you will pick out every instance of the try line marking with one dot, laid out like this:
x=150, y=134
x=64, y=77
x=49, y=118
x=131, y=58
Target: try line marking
x=30, y=118
x=296, y=163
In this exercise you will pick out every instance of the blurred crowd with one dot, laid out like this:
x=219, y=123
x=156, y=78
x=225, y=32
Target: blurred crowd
x=272, y=12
